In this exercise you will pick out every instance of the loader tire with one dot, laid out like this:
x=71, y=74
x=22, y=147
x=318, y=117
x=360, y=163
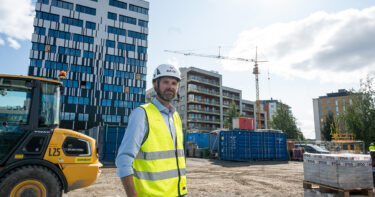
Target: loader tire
x=30, y=181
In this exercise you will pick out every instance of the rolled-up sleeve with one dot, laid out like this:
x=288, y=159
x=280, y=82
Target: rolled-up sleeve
x=131, y=142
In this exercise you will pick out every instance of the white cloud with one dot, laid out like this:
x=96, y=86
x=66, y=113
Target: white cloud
x=16, y=20
x=13, y=43
x=336, y=47
x=2, y=42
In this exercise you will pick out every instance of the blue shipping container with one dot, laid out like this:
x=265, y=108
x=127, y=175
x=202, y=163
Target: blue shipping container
x=201, y=139
x=213, y=142
x=110, y=138
x=239, y=145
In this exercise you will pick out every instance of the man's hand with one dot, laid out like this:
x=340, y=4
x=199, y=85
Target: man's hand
x=128, y=184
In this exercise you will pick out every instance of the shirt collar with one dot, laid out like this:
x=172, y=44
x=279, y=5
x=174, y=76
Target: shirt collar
x=161, y=107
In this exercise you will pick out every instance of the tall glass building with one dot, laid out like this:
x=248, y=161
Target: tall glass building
x=102, y=46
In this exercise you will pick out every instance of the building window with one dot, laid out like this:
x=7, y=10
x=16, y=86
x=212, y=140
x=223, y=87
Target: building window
x=84, y=9
x=40, y=30
x=83, y=117
x=124, y=46
x=127, y=19
x=118, y=4
x=72, y=21
x=90, y=25
x=47, y=16
x=43, y=1
x=36, y=63
x=135, y=62
x=142, y=23
x=110, y=43
x=137, y=35
x=113, y=58
x=112, y=16
x=81, y=69
x=328, y=107
x=56, y=65
x=82, y=38
x=115, y=30
x=59, y=34
x=138, y=9
x=88, y=54
x=62, y=4
x=70, y=51
x=141, y=49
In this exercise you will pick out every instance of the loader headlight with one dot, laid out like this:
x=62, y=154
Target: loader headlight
x=76, y=147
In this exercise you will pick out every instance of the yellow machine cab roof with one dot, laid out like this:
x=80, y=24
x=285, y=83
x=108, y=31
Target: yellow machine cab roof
x=33, y=78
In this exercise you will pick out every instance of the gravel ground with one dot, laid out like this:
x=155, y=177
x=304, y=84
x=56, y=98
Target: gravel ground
x=218, y=178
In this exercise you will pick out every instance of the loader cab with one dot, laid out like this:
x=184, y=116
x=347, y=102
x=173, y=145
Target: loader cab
x=26, y=104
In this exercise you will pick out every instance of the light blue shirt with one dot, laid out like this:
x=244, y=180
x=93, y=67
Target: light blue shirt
x=134, y=134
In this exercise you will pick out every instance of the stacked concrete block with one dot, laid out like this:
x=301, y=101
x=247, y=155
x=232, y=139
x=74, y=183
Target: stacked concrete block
x=345, y=171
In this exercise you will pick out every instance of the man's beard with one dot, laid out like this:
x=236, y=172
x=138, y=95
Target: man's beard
x=168, y=95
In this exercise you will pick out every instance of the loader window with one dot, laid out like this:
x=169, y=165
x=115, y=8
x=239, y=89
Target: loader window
x=50, y=105
x=15, y=98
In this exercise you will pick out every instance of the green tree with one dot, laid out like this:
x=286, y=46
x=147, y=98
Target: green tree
x=284, y=120
x=328, y=125
x=232, y=113
x=359, y=117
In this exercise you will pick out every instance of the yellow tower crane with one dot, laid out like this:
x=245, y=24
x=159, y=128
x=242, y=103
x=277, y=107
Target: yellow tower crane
x=255, y=72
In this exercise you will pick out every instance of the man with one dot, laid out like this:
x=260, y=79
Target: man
x=372, y=147
x=151, y=160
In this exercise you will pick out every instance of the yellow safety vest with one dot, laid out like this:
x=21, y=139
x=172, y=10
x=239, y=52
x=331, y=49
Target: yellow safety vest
x=371, y=148
x=159, y=168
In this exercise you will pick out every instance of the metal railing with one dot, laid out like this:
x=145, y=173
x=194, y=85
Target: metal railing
x=204, y=120
x=204, y=111
x=201, y=90
x=209, y=82
x=203, y=101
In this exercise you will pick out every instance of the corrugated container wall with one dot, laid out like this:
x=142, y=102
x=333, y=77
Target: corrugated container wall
x=243, y=123
x=201, y=139
x=239, y=145
x=214, y=142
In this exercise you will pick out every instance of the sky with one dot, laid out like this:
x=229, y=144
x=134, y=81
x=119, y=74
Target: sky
x=311, y=47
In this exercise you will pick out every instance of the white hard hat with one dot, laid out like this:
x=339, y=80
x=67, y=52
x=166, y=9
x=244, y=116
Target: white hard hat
x=166, y=70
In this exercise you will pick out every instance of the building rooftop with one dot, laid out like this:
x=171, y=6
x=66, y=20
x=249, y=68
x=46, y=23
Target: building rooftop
x=340, y=92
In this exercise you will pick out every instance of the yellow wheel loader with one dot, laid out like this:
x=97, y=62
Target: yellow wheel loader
x=36, y=157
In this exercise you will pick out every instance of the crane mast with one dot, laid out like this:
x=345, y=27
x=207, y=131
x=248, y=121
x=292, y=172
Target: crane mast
x=255, y=72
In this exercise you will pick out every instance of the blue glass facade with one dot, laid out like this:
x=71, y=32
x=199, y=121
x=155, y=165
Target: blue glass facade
x=105, y=61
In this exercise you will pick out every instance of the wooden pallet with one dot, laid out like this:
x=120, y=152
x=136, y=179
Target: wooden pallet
x=340, y=191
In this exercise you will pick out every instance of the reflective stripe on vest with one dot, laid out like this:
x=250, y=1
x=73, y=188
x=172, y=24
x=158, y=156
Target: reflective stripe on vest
x=157, y=176
x=159, y=167
x=160, y=154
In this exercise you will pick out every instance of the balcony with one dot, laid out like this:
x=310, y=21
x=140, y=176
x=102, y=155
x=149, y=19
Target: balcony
x=248, y=109
x=231, y=97
x=210, y=121
x=204, y=102
x=214, y=112
x=204, y=91
x=228, y=106
x=204, y=81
